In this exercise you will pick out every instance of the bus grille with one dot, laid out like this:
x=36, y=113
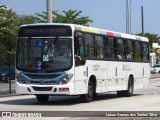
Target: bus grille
x=42, y=88
x=46, y=82
x=42, y=76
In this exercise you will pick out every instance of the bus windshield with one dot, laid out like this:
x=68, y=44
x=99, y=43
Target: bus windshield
x=47, y=54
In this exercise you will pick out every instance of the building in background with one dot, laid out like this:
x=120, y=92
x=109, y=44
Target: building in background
x=155, y=56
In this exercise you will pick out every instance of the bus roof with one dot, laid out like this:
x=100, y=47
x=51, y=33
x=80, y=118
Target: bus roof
x=94, y=30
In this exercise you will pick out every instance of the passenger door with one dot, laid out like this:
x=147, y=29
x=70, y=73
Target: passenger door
x=80, y=67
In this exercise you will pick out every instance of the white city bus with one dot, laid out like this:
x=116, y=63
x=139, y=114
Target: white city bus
x=68, y=59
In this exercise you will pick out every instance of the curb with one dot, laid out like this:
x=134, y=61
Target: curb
x=11, y=95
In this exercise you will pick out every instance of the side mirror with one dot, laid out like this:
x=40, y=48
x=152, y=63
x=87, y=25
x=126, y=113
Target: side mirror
x=79, y=61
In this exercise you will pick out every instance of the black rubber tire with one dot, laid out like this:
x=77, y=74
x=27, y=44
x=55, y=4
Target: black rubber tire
x=42, y=98
x=129, y=91
x=90, y=95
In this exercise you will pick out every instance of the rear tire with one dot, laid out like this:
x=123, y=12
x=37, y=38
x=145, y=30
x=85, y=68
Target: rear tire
x=90, y=95
x=129, y=91
x=42, y=98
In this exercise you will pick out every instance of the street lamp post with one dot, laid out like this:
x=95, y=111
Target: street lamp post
x=142, y=20
x=128, y=16
x=9, y=66
x=49, y=11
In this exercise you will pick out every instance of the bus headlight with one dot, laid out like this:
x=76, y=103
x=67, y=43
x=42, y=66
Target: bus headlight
x=21, y=80
x=66, y=79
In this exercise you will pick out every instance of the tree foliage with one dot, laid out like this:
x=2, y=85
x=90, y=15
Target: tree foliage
x=71, y=16
x=28, y=19
x=7, y=33
x=9, y=25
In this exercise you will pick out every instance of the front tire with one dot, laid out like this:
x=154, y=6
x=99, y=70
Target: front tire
x=89, y=96
x=42, y=98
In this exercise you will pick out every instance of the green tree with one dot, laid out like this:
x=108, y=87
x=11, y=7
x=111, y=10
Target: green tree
x=7, y=33
x=153, y=38
x=71, y=16
x=27, y=20
x=9, y=25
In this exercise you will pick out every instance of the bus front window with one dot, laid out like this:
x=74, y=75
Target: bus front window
x=44, y=54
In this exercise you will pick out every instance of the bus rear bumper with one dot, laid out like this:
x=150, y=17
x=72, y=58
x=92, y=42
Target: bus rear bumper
x=43, y=89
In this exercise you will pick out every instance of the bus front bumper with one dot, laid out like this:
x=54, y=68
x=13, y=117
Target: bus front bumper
x=43, y=89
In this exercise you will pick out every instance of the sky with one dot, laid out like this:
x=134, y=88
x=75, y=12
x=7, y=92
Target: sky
x=106, y=14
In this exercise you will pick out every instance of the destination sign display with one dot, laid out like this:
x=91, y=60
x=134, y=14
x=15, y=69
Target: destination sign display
x=40, y=31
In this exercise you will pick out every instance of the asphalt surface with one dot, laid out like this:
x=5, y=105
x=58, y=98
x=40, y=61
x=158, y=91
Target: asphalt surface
x=4, y=91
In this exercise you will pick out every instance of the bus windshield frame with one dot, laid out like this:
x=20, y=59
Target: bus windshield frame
x=44, y=54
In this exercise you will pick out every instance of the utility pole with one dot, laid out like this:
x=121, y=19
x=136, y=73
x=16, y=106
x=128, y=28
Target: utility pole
x=142, y=20
x=128, y=16
x=49, y=11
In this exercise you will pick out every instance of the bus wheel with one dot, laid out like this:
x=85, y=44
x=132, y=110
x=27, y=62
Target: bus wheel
x=89, y=96
x=42, y=98
x=129, y=91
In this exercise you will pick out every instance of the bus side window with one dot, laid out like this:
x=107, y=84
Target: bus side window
x=110, y=53
x=129, y=50
x=99, y=46
x=120, y=49
x=89, y=45
x=137, y=51
x=145, y=51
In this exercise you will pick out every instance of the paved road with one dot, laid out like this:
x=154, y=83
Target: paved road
x=147, y=99
x=5, y=88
